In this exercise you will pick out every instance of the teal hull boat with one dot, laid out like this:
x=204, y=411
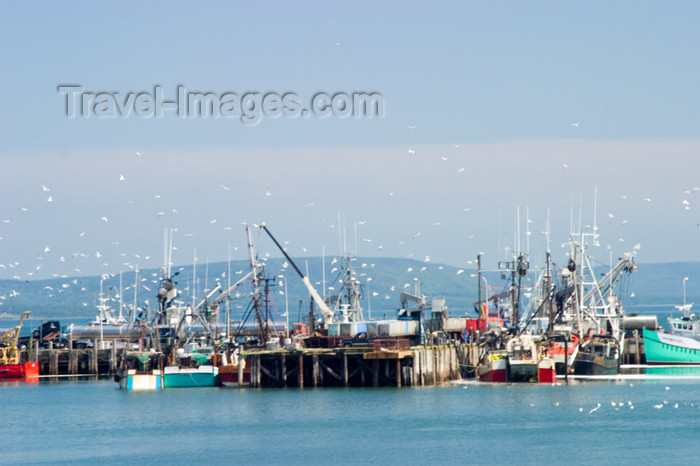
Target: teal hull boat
x=666, y=348
x=202, y=376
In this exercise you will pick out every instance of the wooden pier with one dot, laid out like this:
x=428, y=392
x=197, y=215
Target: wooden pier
x=398, y=366
x=63, y=361
x=347, y=367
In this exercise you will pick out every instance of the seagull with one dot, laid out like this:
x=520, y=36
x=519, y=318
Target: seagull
x=104, y=219
x=564, y=166
x=594, y=409
x=121, y=178
x=139, y=154
x=268, y=192
x=460, y=271
x=49, y=199
x=460, y=170
x=648, y=199
x=411, y=151
x=337, y=43
x=226, y=188
x=45, y=188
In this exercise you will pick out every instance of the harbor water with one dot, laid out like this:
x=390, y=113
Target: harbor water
x=629, y=420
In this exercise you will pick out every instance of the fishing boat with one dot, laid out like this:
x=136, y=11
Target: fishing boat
x=495, y=368
x=200, y=376
x=10, y=366
x=680, y=346
x=563, y=349
x=131, y=379
x=523, y=356
x=140, y=371
x=527, y=362
x=667, y=348
x=598, y=355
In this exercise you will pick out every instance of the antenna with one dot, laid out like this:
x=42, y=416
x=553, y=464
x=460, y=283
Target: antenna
x=548, y=233
x=120, y=296
x=136, y=290
x=165, y=252
x=517, y=228
x=595, y=211
x=228, y=298
x=527, y=230
x=323, y=270
x=194, y=277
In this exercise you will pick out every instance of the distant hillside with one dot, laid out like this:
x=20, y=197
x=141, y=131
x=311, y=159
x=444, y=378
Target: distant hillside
x=75, y=298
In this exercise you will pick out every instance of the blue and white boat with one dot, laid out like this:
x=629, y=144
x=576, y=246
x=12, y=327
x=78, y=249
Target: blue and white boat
x=680, y=346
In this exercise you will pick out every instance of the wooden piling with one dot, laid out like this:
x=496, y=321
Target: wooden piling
x=345, y=369
x=95, y=365
x=240, y=372
x=314, y=370
x=301, y=370
x=284, y=370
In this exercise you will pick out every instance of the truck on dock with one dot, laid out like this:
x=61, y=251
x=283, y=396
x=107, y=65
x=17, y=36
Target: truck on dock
x=360, y=340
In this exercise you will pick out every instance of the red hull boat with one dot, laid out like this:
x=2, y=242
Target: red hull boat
x=19, y=371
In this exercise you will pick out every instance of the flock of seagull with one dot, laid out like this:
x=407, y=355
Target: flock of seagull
x=21, y=272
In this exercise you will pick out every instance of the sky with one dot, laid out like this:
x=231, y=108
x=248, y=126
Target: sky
x=586, y=113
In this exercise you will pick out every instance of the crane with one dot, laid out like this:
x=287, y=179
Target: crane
x=323, y=307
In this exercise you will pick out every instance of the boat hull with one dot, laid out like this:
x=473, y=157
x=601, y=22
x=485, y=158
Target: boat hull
x=132, y=379
x=546, y=371
x=229, y=376
x=665, y=348
x=19, y=371
x=493, y=371
x=202, y=376
x=522, y=371
x=593, y=364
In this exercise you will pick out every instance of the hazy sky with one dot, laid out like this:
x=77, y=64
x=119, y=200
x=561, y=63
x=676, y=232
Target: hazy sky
x=487, y=108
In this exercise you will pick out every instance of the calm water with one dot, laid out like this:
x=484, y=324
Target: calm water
x=92, y=421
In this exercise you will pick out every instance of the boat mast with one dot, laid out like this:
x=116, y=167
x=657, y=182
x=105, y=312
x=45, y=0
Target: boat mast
x=228, y=300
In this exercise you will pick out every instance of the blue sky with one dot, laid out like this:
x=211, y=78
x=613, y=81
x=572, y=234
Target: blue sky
x=488, y=106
